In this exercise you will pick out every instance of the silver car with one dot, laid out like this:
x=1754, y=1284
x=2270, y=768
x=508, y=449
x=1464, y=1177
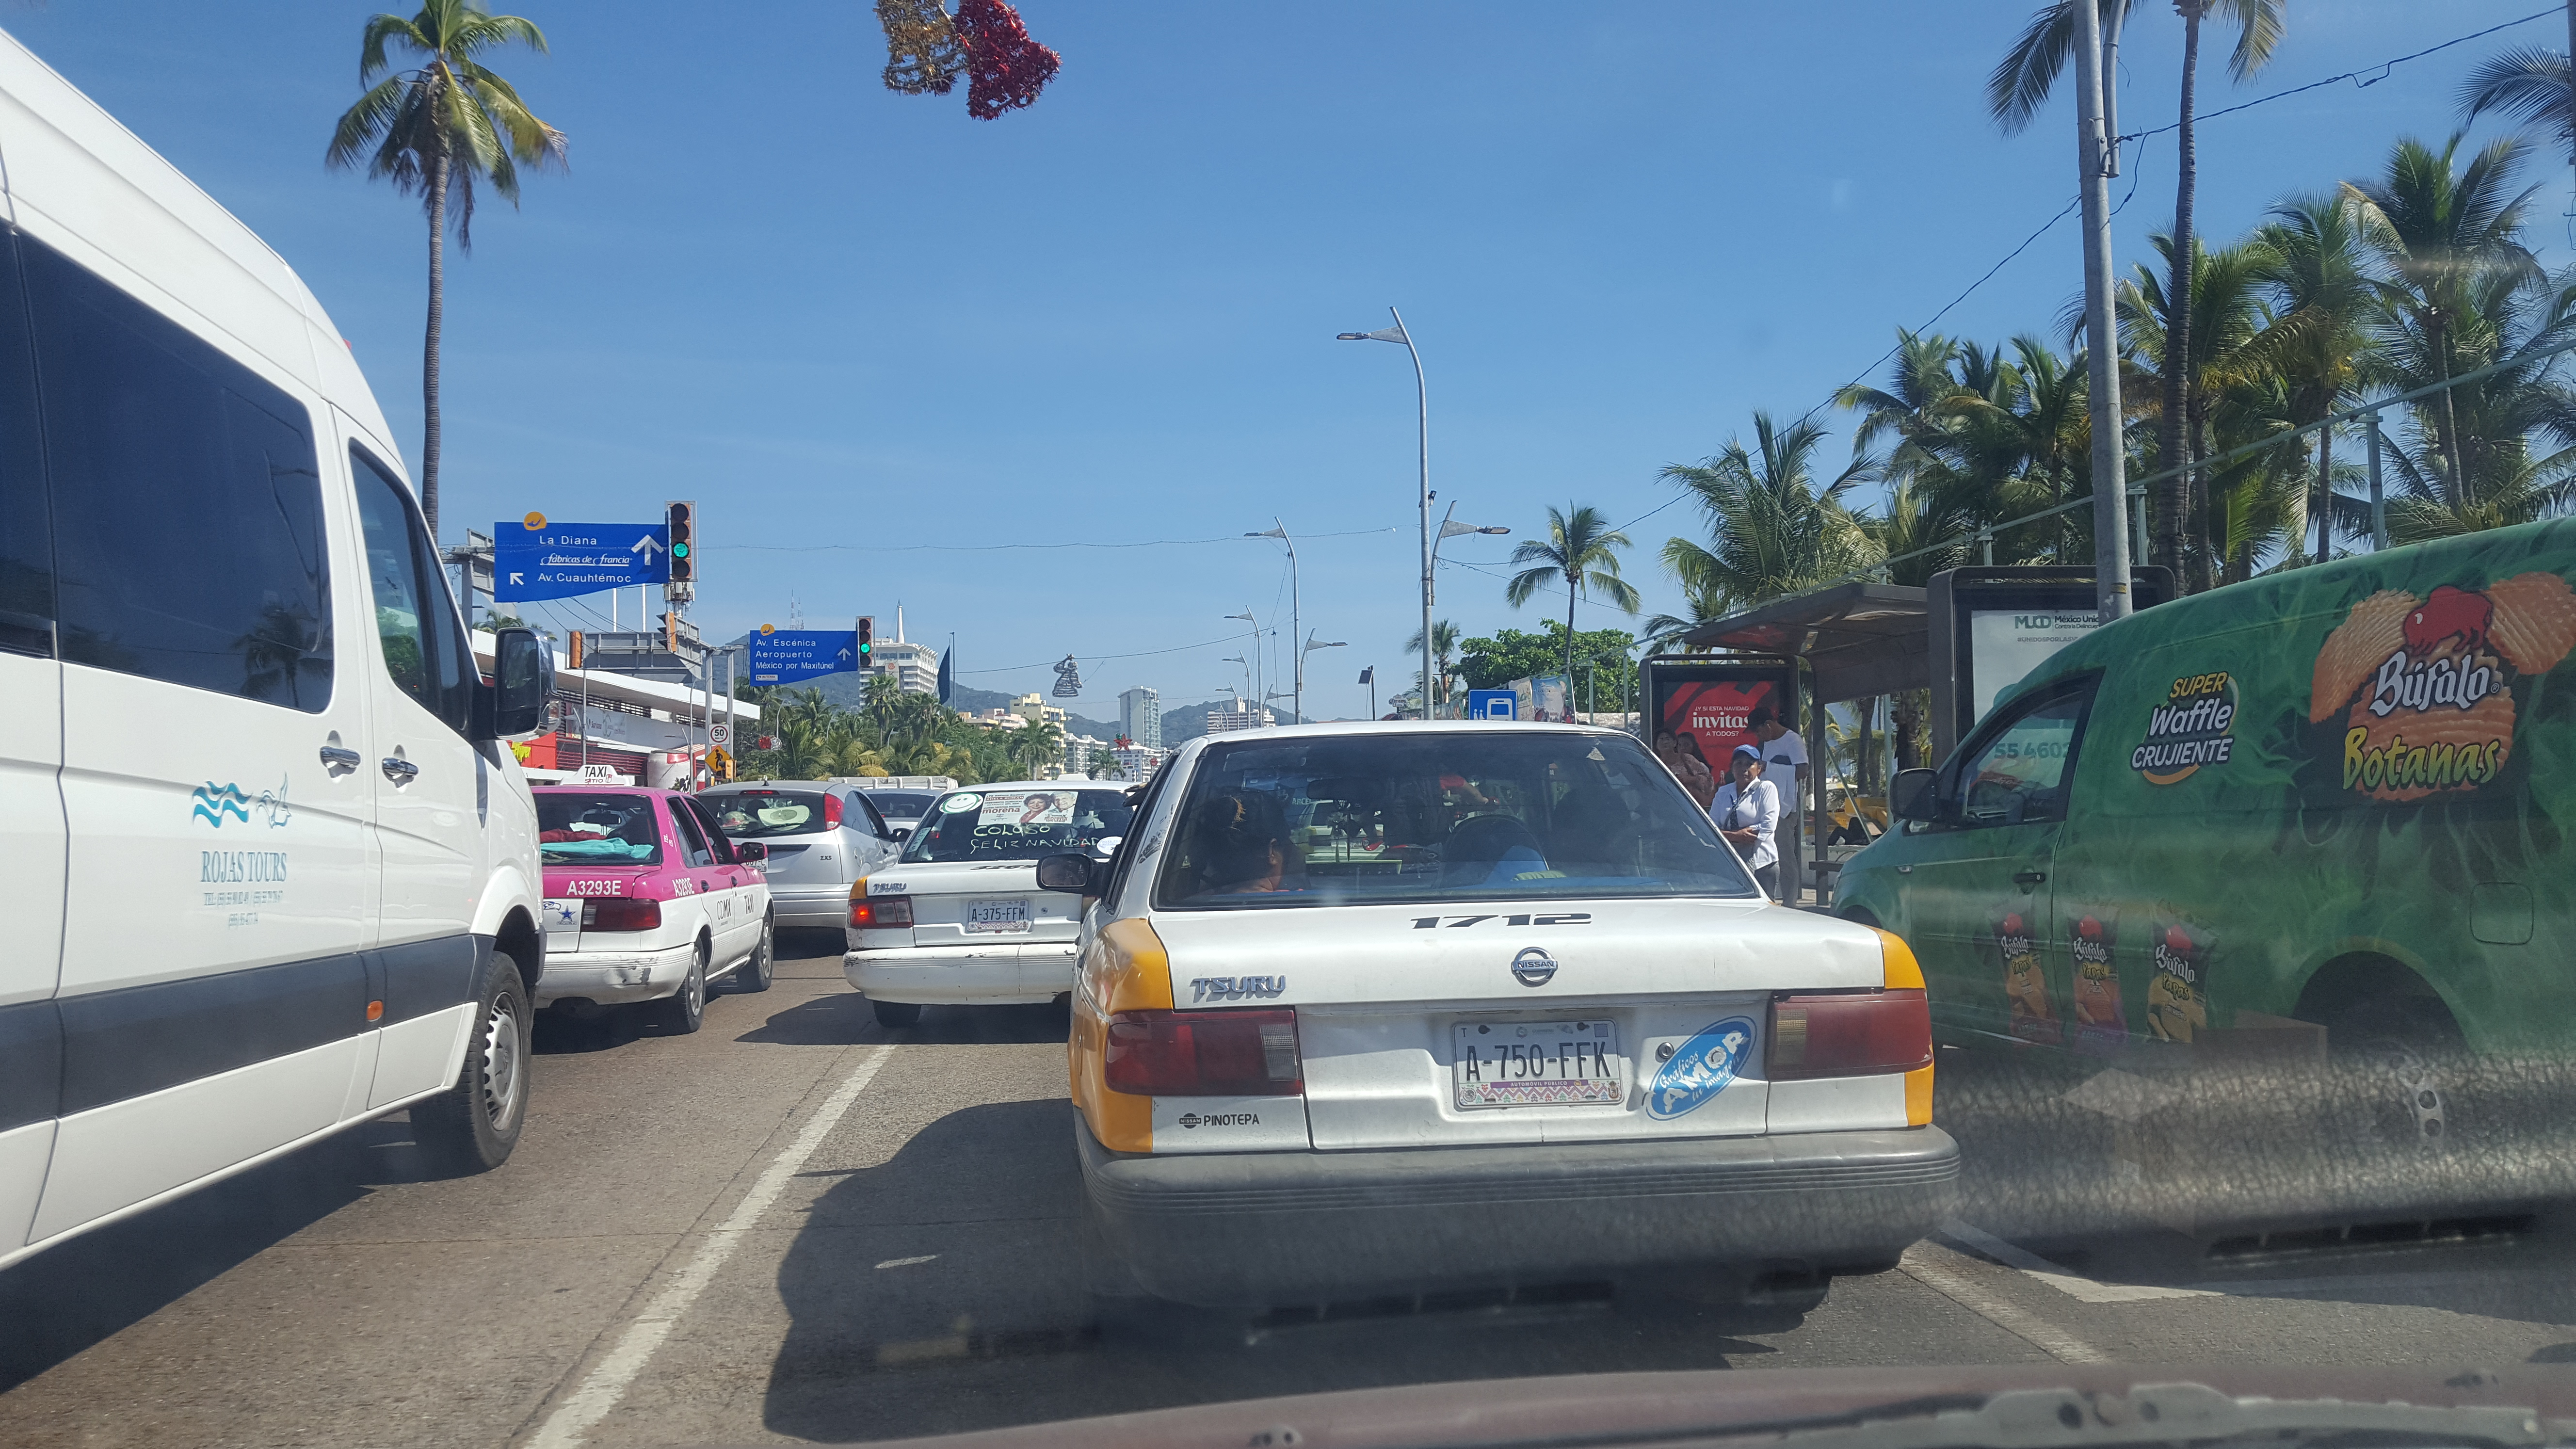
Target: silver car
x=902, y=809
x=821, y=837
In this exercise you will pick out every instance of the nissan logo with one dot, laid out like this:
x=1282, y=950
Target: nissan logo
x=1533, y=967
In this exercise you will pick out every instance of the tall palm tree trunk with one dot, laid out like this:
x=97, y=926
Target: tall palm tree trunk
x=1571, y=580
x=2325, y=490
x=2450, y=413
x=438, y=164
x=2173, y=428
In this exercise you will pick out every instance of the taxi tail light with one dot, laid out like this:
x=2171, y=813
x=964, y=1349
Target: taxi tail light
x=870, y=912
x=623, y=913
x=1849, y=1034
x=1205, y=1054
x=831, y=810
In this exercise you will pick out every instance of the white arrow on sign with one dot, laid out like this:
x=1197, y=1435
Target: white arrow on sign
x=645, y=546
x=518, y=578
x=845, y=654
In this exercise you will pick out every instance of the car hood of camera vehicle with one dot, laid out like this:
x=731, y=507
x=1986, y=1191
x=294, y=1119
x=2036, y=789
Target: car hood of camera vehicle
x=1452, y=951
x=2056, y=1406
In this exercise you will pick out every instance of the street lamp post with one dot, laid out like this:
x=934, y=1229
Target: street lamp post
x=1252, y=666
x=1422, y=395
x=1247, y=669
x=1309, y=647
x=1450, y=528
x=1279, y=531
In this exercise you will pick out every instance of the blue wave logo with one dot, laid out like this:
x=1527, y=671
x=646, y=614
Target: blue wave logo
x=214, y=802
x=1700, y=1069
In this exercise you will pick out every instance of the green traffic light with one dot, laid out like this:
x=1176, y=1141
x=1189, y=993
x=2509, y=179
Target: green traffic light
x=679, y=550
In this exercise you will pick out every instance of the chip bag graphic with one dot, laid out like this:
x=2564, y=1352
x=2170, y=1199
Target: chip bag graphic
x=2178, y=991
x=2032, y=1019
x=2425, y=686
x=2101, y=1022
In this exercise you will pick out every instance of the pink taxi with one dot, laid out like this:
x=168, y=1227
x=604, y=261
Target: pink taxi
x=647, y=903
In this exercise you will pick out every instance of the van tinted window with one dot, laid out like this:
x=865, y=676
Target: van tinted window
x=26, y=517
x=187, y=505
x=424, y=644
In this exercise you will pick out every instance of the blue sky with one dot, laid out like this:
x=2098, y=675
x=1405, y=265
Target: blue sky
x=843, y=319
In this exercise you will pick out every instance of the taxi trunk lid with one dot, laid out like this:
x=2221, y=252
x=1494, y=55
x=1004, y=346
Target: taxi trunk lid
x=994, y=903
x=569, y=886
x=1573, y=1021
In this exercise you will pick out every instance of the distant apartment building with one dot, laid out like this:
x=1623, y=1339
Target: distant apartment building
x=1243, y=716
x=1034, y=706
x=1081, y=752
x=1140, y=717
x=1138, y=763
x=913, y=667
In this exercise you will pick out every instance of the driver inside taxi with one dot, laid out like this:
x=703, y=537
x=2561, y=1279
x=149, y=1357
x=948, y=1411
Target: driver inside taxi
x=1241, y=843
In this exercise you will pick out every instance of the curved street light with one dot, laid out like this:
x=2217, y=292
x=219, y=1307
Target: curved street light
x=1422, y=394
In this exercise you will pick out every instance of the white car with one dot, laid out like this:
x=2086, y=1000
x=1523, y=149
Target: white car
x=271, y=872
x=1388, y=1008
x=958, y=919
x=649, y=902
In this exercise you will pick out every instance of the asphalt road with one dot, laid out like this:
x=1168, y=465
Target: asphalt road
x=795, y=1225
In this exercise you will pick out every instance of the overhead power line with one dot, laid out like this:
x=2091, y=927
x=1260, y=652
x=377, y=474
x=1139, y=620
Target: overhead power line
x=2355, y=76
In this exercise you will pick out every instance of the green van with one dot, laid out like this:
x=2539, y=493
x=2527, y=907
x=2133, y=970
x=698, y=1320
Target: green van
x=2338, y=794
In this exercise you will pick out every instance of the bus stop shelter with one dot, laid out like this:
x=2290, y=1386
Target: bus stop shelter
x=1853, y=642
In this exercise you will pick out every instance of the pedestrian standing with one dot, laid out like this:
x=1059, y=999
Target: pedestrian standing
x=1784, y=760
x=1681, y=756
x=1747, y=812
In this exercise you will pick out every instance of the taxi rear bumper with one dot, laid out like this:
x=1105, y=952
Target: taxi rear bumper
x=1281, y=1228
x=979, y=975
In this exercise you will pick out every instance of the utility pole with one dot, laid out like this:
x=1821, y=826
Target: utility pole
x=2096, y=151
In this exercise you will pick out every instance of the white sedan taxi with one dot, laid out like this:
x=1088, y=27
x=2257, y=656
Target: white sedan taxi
x=958, y=919
x=1372, y=1009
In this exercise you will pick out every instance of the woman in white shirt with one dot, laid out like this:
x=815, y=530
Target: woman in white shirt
x=1747, y=812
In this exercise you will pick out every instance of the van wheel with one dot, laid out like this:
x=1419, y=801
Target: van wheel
x=756, y=973
x=895, y=1015
x=685, y=1010
x=2408, y=1052
x=472, y=1126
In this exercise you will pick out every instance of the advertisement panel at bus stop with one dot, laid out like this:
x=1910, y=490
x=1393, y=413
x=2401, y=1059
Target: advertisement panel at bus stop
x=1709, y=702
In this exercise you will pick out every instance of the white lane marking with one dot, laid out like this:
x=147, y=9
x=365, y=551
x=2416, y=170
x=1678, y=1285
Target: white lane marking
x=906, y=1262
x=1926, y=1268
x=574, y=1418
x=2351, y=1283
x=2055, y=1275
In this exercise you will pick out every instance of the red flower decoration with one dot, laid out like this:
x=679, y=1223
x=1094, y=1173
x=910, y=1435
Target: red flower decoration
x=1004, y=68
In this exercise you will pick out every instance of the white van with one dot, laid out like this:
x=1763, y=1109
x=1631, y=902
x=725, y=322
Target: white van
x=269, y=872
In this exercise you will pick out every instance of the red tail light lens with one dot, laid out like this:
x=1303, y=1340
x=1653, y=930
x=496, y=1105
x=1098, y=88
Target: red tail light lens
x=1205, y=1054
x=831, y=810
x=1849, y=1034
x=624, y=913
x=870, y=912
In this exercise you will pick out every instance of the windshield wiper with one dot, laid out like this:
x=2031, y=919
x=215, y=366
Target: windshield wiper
x=2149, y=1414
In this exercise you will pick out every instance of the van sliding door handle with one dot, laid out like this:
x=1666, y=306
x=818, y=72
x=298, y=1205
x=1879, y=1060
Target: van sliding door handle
x=336, y=758
x=2030, y=877
x=400, y=771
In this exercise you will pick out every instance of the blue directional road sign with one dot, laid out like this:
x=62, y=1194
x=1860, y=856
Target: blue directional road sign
x=559, y=560
x=1492, y=704
x=784, y=656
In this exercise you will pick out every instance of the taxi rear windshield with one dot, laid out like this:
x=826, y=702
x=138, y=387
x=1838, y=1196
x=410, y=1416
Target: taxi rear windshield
x=577, y=829
x=901, y=804
x=1449, y=816
x=1017, y=824
x=756, y=813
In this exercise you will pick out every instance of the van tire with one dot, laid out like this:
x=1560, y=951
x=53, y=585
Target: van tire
x=2410, y=1048
x=761, y=967
x=895, y=1015
x=685, y=1010
x=473, y=1126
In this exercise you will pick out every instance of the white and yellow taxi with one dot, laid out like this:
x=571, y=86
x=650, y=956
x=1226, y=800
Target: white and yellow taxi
x=1499, y=1007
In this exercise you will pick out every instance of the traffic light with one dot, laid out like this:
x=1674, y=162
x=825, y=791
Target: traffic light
x=683, y=521
x=576, y=648
x=671, y=632
x=867, y=643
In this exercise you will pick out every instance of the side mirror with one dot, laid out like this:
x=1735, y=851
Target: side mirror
x=1072, y=873
x=524, y=683
x=750, y=850
x=1915, y=795
x=902, y=832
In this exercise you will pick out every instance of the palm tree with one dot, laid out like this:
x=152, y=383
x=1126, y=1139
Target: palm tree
x=2438, y=229
x=2529, y=83
x=1035, y=745
x=2021, y=83
x=2318, y=340
x=2225, y=315
x=1444, y=644
x=1773, y=532
x=433, y=129
x=1582, y=549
